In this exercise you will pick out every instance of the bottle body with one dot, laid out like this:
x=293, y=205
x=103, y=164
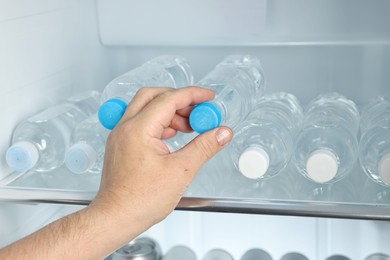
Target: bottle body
x=237, y=82
x=86, y=151
x=216, y=178
x=179, y=141
x=374, y=146
x=41, y=140
x=263, y=146
x=162, y=71
x=326, y=146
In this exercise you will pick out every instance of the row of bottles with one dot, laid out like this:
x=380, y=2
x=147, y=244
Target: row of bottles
x=75, y=131
x=325, y=136
x=322, y=141
x=41, y=141
x=147, y=248
x=270, y=130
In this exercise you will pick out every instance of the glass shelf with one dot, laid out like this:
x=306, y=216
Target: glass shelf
x=355, y=197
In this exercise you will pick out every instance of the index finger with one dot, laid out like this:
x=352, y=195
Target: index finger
x=163, y=108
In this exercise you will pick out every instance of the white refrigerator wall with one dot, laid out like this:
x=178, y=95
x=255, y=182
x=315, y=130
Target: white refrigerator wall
x=50, y=49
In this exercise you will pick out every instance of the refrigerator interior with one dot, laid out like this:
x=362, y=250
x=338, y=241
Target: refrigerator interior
x=53, y=49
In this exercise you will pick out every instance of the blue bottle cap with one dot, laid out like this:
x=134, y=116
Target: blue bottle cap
x=204, y=117
x=111, y=112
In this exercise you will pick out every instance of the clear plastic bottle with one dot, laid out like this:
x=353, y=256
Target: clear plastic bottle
x=280, y=187
x=217, y=179
x=179, y=140
x=263, y=147
x=41, y=140
x=342, y=191
x=326, y=147
x=374, y=146
x=162, y=71
x=86, y=151
x=237, y=81
x=374, y=193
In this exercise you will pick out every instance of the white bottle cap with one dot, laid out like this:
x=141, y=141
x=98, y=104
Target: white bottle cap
x=384, y=168
x=322, y=165
x=253, y=162
x=80, y=158
x=22, y=156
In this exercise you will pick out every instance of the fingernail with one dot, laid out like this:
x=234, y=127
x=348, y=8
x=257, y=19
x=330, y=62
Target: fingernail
x=223, y=136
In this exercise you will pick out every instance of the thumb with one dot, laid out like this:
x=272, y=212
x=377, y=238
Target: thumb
x=205, y=146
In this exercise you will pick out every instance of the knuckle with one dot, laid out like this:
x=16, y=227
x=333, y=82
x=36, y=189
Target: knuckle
x=206, y=148
x=167, y=94
x=142, y=91
x=123, y=129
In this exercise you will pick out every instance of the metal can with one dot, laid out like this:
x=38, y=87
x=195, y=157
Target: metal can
x=256, y=254
x=218, y=254
x=143, y=248
x=180, y=252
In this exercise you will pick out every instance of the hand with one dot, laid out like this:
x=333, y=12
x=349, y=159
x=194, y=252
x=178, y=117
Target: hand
x=142, y=182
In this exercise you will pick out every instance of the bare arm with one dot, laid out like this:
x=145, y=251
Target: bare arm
x=87, y=234
x=141, y=182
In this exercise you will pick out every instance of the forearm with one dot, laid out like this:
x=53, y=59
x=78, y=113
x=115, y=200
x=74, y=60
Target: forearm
x=87, y=234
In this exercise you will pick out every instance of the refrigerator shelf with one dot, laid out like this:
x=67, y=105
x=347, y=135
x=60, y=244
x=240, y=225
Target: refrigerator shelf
x=287, y=194
x=226, y=205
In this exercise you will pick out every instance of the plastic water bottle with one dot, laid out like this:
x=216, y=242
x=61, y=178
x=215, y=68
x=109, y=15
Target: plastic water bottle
x=217, y=179
x=237, y=81
x=374, y=146
x=41, y=140
x=326, y=148
x=263, y=147
x=162, y=71
x=86, y=152
x=280, y=187
x=342, y=191
x=179, y=140
x=374, y=193
x=180, y=252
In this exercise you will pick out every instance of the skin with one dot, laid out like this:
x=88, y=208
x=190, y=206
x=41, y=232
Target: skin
x=141, y=183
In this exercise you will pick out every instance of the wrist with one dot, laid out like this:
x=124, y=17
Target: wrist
x=115, y=219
